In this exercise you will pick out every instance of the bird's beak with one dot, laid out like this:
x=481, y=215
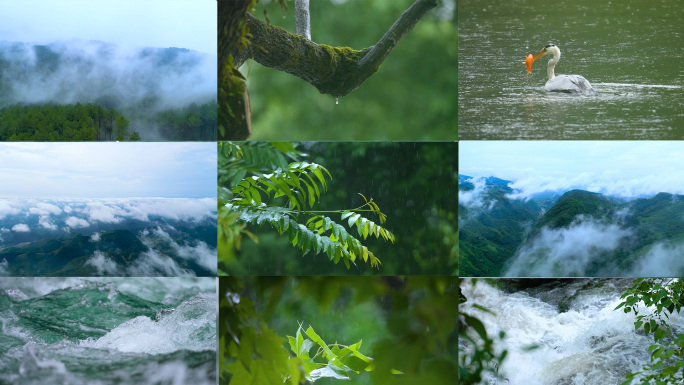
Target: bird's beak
x=540, y=54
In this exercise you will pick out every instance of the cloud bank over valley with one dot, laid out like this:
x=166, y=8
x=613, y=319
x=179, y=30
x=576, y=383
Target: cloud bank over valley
x=567, y=233
x=621, y=169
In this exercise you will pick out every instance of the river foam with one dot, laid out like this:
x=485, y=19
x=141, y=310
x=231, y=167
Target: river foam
x=580, y=339
x=108, y=331
x=191, y=326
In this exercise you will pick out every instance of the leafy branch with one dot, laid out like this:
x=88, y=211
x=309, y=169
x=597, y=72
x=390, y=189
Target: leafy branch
x=667, y=354
x=287, y=195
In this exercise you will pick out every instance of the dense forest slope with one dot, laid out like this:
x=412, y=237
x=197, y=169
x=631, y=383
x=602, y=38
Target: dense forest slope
x=581, y=234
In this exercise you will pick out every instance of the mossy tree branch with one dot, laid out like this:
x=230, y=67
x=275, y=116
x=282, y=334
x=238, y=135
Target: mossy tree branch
x=336, y=71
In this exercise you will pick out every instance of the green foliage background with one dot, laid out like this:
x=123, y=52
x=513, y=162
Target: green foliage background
x=413, y=183
x=663, y=297
x=406, y=324
x=413, y=96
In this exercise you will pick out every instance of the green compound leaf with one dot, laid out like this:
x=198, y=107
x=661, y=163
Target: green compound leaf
x=338, y=361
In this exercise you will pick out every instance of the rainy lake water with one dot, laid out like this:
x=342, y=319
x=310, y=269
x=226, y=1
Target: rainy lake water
x=108, y=331
x=630, y=51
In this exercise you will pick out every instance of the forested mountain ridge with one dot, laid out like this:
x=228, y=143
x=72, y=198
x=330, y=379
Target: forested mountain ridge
x=108, y=237
x=573, y=204
x=161, y=93
x=107, y=253
x=491, y=226
x=582, y=234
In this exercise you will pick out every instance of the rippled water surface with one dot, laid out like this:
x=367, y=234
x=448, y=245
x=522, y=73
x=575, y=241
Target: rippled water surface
x=630, y=51
x=108, y=331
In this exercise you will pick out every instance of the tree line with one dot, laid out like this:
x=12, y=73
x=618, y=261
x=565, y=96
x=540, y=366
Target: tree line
x=75, y=122
x=190, y=123
x=94, y=122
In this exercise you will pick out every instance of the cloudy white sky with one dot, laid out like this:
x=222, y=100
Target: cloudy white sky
x=107, y=170
x=140, y=23
x=612, y=167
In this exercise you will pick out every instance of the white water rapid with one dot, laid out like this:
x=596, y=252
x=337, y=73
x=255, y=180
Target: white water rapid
x=581, y=339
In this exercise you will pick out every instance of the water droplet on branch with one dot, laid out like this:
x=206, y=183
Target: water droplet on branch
x=337, y=100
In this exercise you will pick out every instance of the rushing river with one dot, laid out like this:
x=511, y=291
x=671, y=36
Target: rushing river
x=630, y=51
x=581, y=339
x=108, y=331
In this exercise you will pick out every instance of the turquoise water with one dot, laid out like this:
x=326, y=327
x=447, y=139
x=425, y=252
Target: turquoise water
x=108, y=331
x=630, y=51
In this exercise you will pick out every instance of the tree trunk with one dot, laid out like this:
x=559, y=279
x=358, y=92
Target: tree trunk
x=233, y=115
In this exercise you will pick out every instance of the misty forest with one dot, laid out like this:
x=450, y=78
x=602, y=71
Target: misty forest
x=108, y=237
x=567, y=233
x=333, y=208
x=98, y=91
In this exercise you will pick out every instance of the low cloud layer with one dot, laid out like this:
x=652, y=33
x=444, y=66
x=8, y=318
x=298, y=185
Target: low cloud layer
x=21, y=228
x=526, y=187
x=4, y=268
x=87, y=71
x=567, y=251
x=75, y=223
x=9, y=208
x=113, y=237
x=104, y=266
x=116, y=210
x=664, y=259
x=475, y=199
x=616, y=168
x=200, y=253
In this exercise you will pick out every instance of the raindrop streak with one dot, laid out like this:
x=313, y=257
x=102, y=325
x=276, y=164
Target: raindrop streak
x=337, y=100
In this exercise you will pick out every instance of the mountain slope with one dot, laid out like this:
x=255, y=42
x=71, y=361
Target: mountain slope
x=492, y=229
x=108, y=253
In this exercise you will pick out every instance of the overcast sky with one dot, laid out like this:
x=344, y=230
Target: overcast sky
x=107, y=170
x=613, y=167
x=140, y=23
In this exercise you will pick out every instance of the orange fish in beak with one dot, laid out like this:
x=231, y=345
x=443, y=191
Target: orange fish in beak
x=529, y=60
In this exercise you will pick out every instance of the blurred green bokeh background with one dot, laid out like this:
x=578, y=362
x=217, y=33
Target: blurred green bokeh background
x=413, y=96
x=406, y=323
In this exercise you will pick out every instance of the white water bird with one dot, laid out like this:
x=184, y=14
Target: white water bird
x=574, y=84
